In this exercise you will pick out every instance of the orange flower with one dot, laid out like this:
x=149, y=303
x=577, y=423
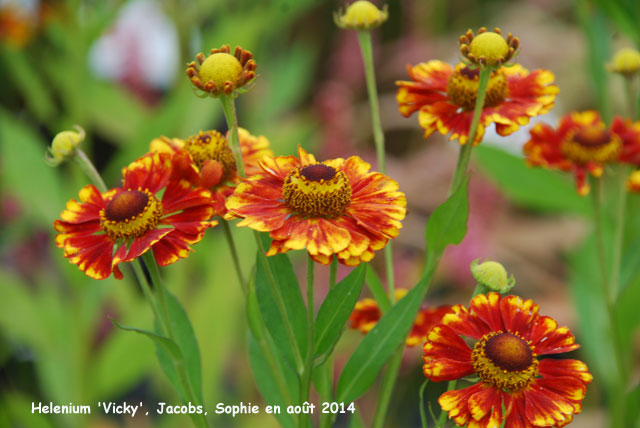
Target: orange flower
x=103, y=230
x=583, y=144
x=366, y=315
x=333, y=207
x=206, y=160
x=445, y=97
x=510, y=335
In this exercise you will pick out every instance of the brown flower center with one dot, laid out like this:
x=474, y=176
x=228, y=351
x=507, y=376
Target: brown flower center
x=592, y=144
x=212, y=145
x=130, y=213
x=317, y=190
x=462, y=88
x=509, y=352
x=504, y=360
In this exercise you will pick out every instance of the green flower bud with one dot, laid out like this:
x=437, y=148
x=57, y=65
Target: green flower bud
x=492, y=275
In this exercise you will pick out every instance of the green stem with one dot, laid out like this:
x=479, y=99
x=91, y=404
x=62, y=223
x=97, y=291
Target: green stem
x=618, y=239
x=423, y=415
x=305, y=384
x=90, y=170
x=604, y=283
x=630, y=94
x=465, y=151
x=443, y=415
x=366, y=49
x=333, y=273
x=146, y=290
x=388, y=259
x=388, y=384
x=234, y=255
x=279, y=303
x=364, y=37
x=229, y=108
x=167, y=325
x=327, y=367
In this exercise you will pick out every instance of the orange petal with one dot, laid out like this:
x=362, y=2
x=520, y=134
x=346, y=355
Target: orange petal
x=446, y=355
x=517, y=314
x=550, y=367
x=487, y=308
x=547, y=338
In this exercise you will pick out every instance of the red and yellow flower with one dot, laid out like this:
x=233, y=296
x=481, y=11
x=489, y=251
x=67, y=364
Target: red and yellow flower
x=103, y=230
x=366, y=315
x=509, y=335
x=206, y=160
x=337, y=207
x=445, y=97
x=582, y=144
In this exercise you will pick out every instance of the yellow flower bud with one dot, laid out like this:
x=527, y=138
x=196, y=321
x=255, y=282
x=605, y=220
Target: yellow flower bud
x=492, y=275
x=64, y=145
x=361, y=15
x=221, y=72
x=626, y=62
x=488, y=48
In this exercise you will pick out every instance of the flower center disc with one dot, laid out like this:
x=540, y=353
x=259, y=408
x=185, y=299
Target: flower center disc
x=130, y=214
x=509, y=352
x=317, y=190
x=212, y=145
x=505, y=361
x=219, y=68
x=592, y=144
x=462, y=87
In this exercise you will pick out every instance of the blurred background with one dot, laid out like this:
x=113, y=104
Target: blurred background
x=117, y=69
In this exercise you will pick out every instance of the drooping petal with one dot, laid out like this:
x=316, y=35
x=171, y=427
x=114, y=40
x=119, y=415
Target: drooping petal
x=446, y=355
x=550, y=367
x=547, y=338
x=545, y=408
x=456, y=403
x=94, y=257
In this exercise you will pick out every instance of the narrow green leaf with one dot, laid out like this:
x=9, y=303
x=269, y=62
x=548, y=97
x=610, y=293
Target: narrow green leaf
x=336, y=309
x=380, y=343
x=267, y=383
x=163, y=342
x=448, y=223
x=289, y=290
x=535, y=188
x=187, y=343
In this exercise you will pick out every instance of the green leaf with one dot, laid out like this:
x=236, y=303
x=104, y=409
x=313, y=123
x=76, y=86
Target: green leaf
x=336, y=309
x=531, y=187
x=375, y=286
x=163, y=342
x=448, y=223
x=380, y=343
x=287, y=287
x=267, y=383
x=188, y=345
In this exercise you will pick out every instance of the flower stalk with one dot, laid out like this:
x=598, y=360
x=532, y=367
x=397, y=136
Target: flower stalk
x=465, y=152
x=229, y=108
x=305, y=376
